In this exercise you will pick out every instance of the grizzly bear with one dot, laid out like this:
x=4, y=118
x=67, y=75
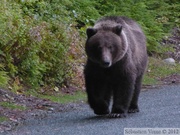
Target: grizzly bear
x=116, y=61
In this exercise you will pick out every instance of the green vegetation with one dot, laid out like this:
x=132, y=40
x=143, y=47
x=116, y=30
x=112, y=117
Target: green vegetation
x=2, y=119
x=66, y=98
x=4, y=78
x=41, y=41
x=157, y=69
x=12, y=106
x=59, y=97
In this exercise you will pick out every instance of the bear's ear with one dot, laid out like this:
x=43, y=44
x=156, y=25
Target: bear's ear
x=117, y=30
x=90, y=32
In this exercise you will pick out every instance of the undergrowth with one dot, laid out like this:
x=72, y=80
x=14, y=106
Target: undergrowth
x=42, y=41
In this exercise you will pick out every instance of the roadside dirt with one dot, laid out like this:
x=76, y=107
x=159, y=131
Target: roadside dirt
x=35, y=108
x=40, y=108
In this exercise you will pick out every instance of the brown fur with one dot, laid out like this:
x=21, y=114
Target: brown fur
x=117, y=59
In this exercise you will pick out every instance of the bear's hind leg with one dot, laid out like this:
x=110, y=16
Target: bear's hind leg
x=133, y=108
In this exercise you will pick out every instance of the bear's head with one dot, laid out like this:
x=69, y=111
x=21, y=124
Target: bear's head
x=106, y=46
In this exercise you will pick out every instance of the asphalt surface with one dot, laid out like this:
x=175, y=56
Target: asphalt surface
x=159, y=108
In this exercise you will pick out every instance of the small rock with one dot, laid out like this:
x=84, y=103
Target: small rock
x=170, y=61
x=173, y=81
x=56, y=89
x=9, y=97
x=148, y=70
x=51, y=109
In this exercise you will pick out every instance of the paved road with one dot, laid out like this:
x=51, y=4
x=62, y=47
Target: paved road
x=159, y=108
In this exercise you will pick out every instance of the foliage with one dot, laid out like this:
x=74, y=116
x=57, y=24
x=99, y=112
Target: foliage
x=3, y=77
x=41, y=41
x=33, y=50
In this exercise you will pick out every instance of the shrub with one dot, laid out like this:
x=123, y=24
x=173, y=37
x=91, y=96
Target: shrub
x=41, y=42
x=34, y=49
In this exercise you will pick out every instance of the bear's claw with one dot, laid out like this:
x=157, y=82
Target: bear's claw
x=116, y=115
x=133, y=110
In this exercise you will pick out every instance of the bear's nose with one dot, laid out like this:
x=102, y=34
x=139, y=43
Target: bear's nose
x=106, y=64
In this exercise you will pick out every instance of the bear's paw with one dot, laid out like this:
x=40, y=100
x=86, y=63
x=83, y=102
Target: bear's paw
x=117, y=115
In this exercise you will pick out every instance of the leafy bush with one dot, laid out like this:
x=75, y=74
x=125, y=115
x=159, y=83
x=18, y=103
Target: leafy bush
x=41, y=41
x=33, y=49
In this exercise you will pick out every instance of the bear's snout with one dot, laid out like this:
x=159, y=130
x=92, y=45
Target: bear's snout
x=106, y=60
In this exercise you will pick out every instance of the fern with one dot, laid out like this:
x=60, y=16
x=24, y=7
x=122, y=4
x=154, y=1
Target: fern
x=3, y=77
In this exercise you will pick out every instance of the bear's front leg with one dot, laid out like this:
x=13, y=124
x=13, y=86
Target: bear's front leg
x=98, y=96
x=122, y=96
x=98, y=104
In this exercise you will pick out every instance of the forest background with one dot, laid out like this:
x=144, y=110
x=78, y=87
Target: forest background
x=42, y=41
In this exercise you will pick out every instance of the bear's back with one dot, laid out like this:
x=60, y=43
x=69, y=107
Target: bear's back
x=112, y=21
x=131, y=29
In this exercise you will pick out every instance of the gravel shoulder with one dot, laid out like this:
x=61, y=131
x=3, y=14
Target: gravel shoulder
x=159, y=108
x=35, y=108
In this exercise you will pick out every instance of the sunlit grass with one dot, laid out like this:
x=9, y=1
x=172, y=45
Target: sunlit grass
x=60, y=97
x=10, y=105
x=3, y=118
x=66, y=98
